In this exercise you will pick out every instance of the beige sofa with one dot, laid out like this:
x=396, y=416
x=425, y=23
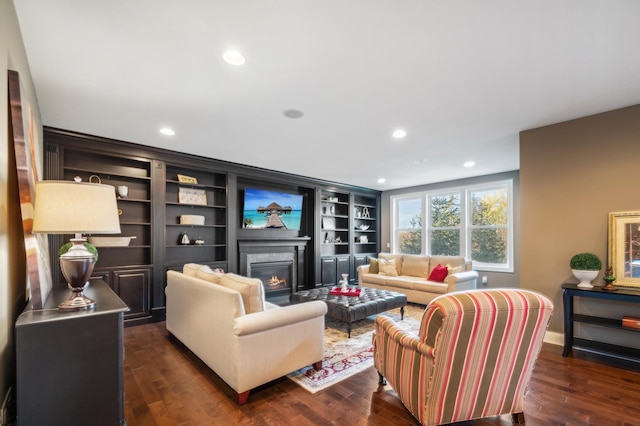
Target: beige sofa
x=412, y=272
x=225, y=321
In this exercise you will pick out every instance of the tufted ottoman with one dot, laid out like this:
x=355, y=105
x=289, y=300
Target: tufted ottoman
x=349, y=309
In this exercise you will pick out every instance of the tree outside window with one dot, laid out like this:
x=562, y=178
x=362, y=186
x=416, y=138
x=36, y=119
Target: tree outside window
x=474, y=222
x=489, y=225
x=445, y=224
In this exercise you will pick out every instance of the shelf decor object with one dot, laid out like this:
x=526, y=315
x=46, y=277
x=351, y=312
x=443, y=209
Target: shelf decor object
x=66, y=207
x=187, y=179
x=192, y=196
x=624, y=247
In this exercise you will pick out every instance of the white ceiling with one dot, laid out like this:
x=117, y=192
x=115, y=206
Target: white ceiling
x=462, y=77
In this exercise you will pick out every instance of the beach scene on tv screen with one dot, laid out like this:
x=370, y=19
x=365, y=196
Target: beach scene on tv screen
x=265, y=209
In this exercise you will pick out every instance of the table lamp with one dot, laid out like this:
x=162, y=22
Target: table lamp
x=67, y=207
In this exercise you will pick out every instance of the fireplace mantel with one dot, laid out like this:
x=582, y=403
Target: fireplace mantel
x=294, y=248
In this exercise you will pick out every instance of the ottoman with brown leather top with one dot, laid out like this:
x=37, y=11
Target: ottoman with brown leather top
x=349, y=309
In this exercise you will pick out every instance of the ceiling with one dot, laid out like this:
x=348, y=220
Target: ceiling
x=463, y=78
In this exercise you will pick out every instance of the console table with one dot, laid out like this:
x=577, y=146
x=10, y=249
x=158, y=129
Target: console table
x=569, y=291
x=70, y=364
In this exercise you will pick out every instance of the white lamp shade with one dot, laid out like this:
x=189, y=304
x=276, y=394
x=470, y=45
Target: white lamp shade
x=66, y=207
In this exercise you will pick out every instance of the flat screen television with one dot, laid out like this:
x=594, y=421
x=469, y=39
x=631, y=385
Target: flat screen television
x=265, y=209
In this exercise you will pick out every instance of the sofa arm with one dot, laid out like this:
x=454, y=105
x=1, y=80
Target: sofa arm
x=362, y=269
x=275, y=318
x=461, y=281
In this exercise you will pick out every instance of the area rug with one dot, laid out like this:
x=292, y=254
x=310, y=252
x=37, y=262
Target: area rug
x=344, y=356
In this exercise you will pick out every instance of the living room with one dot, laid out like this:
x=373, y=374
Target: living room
x=570, y=174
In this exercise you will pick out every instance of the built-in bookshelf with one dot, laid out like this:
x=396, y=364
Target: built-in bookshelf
x=191, y=195
x=128, y=267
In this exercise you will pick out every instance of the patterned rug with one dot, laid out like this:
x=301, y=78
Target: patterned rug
x=343, y=356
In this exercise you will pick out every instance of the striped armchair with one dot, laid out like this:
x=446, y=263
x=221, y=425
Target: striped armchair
x=473, y=356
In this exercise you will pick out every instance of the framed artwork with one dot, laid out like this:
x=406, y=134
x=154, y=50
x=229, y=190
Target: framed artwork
x=22, y=128
x=192, y=196
x=624, y=247
x=187, y=179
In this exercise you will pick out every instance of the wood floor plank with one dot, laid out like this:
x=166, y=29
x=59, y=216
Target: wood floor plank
x=165, y=384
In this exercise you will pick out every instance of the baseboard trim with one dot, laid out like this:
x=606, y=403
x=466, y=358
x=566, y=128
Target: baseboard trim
x=554, y=338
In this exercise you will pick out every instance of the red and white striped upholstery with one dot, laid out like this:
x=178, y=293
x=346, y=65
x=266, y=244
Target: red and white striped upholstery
x=473, y=357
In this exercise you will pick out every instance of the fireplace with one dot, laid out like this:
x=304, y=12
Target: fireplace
x=276, y=277
x=278, y=263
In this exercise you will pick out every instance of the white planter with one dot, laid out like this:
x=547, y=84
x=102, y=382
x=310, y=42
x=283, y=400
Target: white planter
x=585, y=277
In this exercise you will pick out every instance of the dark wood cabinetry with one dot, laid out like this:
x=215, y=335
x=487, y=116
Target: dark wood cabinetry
x=572, y=291
x=349, y=229
x=339, y=226
x=127, y=269
x=205, y=242
x=70, y=364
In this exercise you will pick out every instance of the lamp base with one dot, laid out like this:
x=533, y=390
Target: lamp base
x=78, y=301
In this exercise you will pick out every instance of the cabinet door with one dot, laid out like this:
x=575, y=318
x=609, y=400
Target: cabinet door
x=133, y=288
x=342, y=267
x=359, y=260
x=329, y=271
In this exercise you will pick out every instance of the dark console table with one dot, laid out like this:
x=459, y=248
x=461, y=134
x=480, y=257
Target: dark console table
x=70, y=364
x=622, y=295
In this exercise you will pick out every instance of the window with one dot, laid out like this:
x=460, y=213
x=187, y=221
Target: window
x=445, y=222
x=489, y=225
x=475, y=222
x=408, y=225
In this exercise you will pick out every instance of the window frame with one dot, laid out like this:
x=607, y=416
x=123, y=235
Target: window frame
x=465, y=221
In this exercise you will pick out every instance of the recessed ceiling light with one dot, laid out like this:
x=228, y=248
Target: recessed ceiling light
x=234, y=58
x=293, y=113
x=167, y=131
x=399, y=133
x=382, y=180
x=468, y=164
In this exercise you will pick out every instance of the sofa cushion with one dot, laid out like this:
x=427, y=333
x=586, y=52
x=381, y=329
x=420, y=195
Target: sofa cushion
x=453, y=261
x=396, y=257
x=439, y=273
x=373, y=265
x=404, y=282
x=375, y=279
x=454, y=269
x=251, y=290
x=191, y=269
x=211, y=276
x=415, y=265
x=387, y=267
x=430, y=287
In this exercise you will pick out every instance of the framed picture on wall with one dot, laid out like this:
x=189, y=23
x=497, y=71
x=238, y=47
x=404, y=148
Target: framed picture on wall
x=624, y=247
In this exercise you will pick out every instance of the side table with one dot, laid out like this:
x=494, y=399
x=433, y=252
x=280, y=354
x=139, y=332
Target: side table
x=569, y=292
x=70, y=364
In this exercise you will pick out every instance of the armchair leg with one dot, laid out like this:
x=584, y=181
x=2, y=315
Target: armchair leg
x=517, y=418
x=317, y=365
x=381, y=379
x=243, y=397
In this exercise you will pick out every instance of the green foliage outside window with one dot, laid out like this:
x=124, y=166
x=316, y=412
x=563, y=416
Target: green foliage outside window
x=445, y=222
x=410, y=242
x=489, y=213
x=487, y=226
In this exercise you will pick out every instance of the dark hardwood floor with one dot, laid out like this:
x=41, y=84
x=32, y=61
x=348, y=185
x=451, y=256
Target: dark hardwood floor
x=167, y=385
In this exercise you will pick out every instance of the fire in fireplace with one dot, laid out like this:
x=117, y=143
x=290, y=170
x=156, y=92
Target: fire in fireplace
x=276, y=277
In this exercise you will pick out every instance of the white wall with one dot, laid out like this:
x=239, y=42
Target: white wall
x=12, y=263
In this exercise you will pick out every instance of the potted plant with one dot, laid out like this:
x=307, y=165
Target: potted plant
x=609, y=278
x=585, y=267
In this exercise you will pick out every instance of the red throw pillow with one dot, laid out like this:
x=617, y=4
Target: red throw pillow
x=439, y=273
